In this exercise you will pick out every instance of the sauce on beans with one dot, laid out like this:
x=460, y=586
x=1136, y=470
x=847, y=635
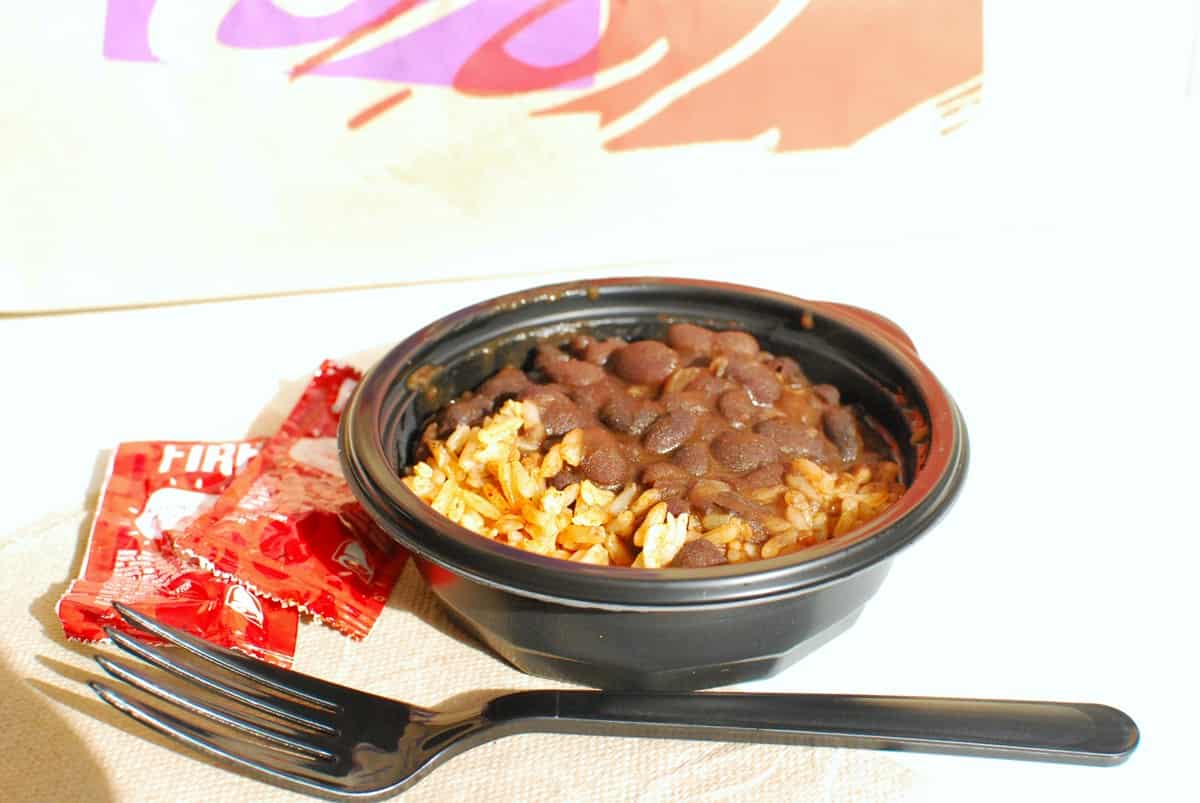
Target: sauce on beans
x=704, y=417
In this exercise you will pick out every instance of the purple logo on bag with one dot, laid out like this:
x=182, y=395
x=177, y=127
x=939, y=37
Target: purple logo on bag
x=127, y=30
x=532, y=39
x=828, y=74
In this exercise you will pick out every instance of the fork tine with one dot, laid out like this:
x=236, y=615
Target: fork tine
x=196, y=738
x=281, y=680
x=215, y=713
x=278, y=708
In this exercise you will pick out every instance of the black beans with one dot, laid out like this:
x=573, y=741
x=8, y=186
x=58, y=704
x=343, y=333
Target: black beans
x=699, y=554
x=669, y=480
x=575, y=372
x=545, y=355
x=508, y=380
x=677, y=505
x=559, y=418
x=568, y=476
x=711, y=386
x=606, y=467
x=758, y=379
x=842, y=428
x=539, y=394
x=737, y=406
x=795, y=440
x=743, y=451
x=802, y=407
x=752, y=513
x=689, y=337
x=663, y=473
x=657, y=413
x=464, y=412
x=629, y=415
x=670, y=431
x=709, y=426
x=704, y=494
x=559, y=414
x=598, y=352
x=736, y=343
x=592, y=397
x=690, y=400
x=787, y=370
x=646, y=362
x=692, y=458
x=692, y=358
x=765, y=477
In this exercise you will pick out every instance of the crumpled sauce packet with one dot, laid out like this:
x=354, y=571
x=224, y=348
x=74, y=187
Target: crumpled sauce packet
x=150, y=487
x=288, y=527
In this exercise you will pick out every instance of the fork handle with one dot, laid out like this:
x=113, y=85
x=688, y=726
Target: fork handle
x=1072, y=733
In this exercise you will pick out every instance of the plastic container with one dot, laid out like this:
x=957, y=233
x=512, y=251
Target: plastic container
x=671, y=629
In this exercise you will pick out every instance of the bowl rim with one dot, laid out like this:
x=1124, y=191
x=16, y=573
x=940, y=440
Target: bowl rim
x=410, y=521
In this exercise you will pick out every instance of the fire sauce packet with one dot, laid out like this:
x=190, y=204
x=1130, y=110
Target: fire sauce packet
x=288, y=527
x=151, y=487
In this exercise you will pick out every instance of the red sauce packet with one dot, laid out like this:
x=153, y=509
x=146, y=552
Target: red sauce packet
x=288, y=527
x=151, y=487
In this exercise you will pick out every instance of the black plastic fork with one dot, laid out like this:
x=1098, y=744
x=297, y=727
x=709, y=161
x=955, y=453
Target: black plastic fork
x=340, y=743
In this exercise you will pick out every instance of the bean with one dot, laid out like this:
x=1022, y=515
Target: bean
x=737, y=343
x=801, y=406
x=704, y=493
x=678, y=505
x=670, y=481
x=699, y=554
x=559, y=414
x=606, y=467
x=508, y=380
x=842, y=428
x=709, y=426
x=711, y=386
x=598, y=438
x=657, y=474
x=464, y=412
x=737, y=406
x=764, y=477
x=568, y=476
x=692, y=359
x=692, y=458
x=795, y=440
x=646, y=413
x=758, y=379
x=599, y=351
x=540, y=394
x=743, y=451
x=546, y=354
x=752, y=513
x=646, y=362
x=575, y=373
x=690, y=400
x=787, y=370
x=559, y=418
x=592, y=397
x=670, y=431
x=689, y=337
x=629, y=415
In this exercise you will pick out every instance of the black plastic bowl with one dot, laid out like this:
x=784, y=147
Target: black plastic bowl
x=667, y=629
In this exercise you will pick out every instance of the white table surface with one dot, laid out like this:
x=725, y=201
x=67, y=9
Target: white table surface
x=1066, y=570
